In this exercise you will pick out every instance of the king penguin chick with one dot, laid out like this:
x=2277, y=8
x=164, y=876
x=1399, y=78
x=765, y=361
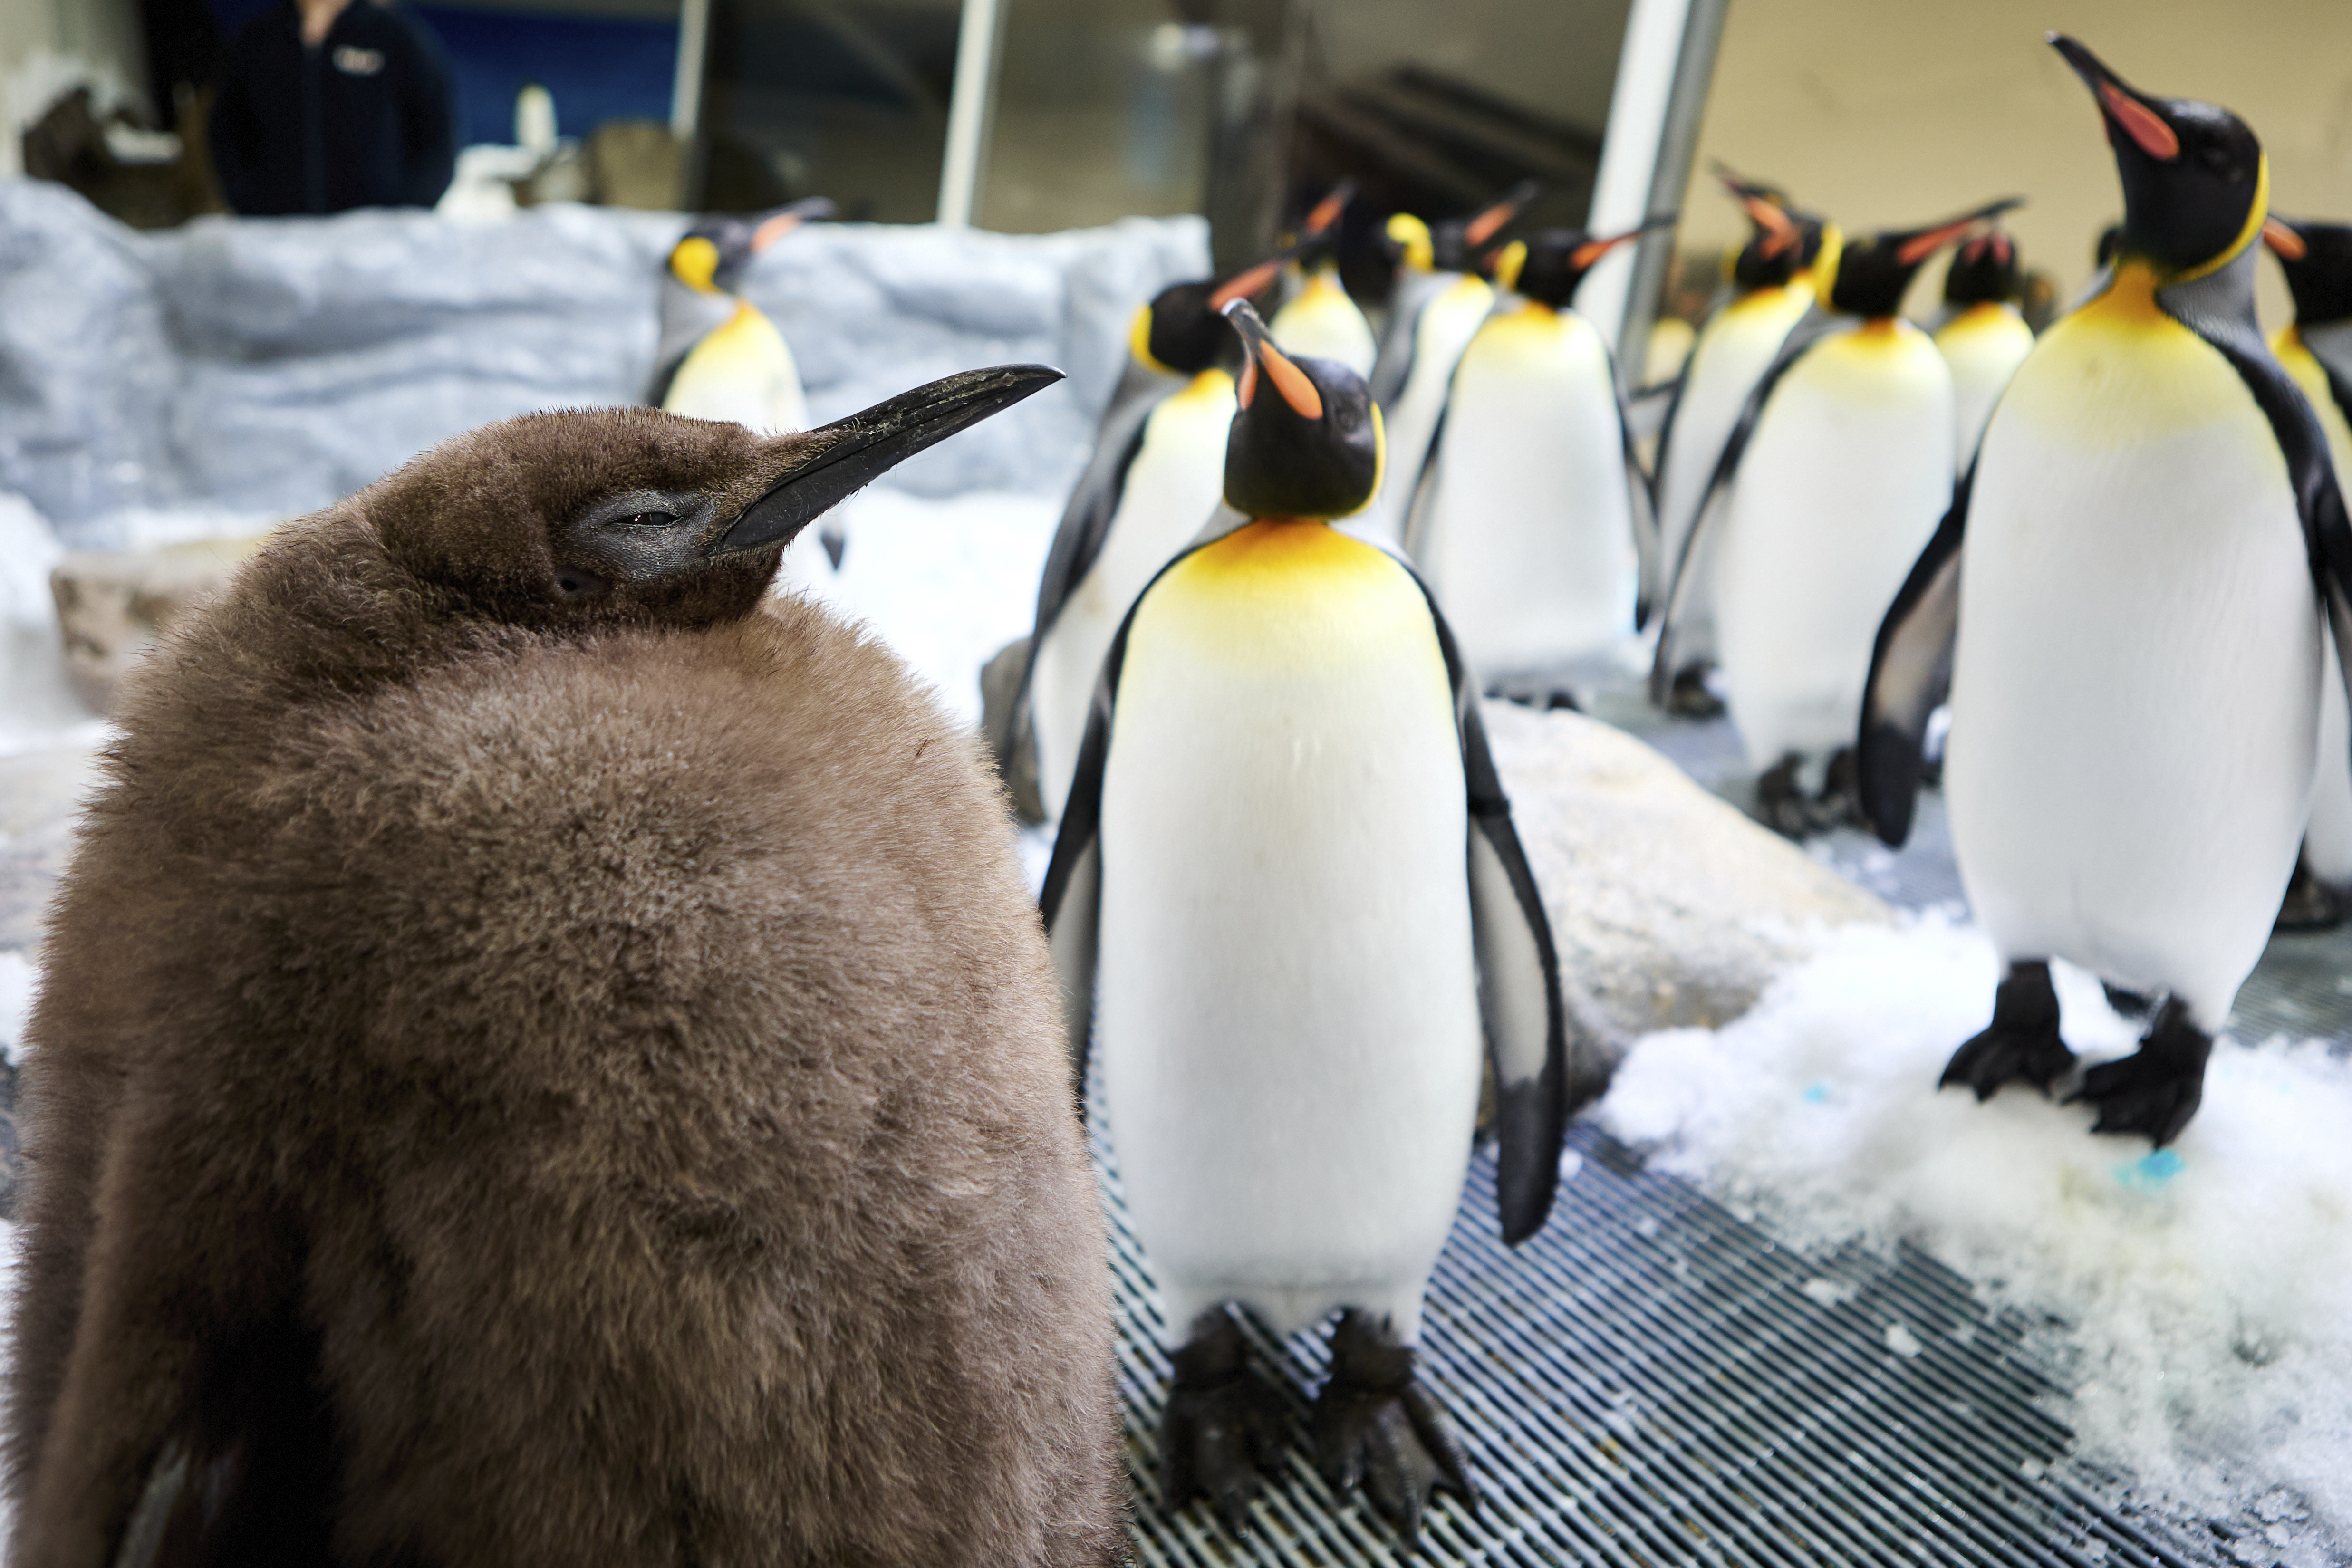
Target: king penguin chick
x=720, y=356
x=543, y=1057
x=2316, y=348
x=1319, y=320
x=1983, y=335
x=1439, y=305
x=2126, y=597
x=1775, y=278
x=1286, y=878
x=1835, y=474
x=1155, y=482
x=1533, y=526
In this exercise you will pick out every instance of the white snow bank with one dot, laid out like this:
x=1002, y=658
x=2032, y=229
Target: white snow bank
x=38, y=708
x=945, y=583
x=2209, y=1286
x=17, y=979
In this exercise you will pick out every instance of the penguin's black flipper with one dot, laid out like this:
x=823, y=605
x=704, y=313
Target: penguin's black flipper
x=1415, y=521
x=1536, y=1087
x=1910, y=674
x=2220, y=308
x=1649, y=548
x=1816, y=325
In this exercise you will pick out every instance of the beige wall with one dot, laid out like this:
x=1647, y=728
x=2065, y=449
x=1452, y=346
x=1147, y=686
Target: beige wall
x=1890, y=113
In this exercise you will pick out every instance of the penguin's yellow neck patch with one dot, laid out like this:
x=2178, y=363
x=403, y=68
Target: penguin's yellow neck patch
x=1138, y=342
x=1284, y=595
x=1209, y=386
x=2128, y=301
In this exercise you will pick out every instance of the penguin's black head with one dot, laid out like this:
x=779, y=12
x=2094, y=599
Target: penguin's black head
x=601, y=516
x=1983, y=271
x=2111, y=240
x=1781, y=240
x=1182, y=331
x=1454, y=244
x=2318, y=261
x=1873, y=274
x=2193, y=175
x=710, y=257
x=1306, y=442
x=1548, y=268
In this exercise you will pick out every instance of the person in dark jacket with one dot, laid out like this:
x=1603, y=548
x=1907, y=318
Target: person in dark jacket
x=333, y=104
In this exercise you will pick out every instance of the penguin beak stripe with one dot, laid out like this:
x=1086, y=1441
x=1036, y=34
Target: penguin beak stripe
x=1327, y=211
x=1241, y=284
x=2139, y=123
x=1592, y=250
x=1489, y=223
x=868, y=444
x=2284, y=240
x=1928, y=241
x=1779, y=229
x=1291, y=383
x=774, y=229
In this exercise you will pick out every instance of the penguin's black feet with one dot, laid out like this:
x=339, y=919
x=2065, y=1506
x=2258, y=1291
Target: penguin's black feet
x=2022, y=1044
x=2311, y=905
x=1375, y=1427
x=1839, y=804
x=2157, y=1088
x=2130, y=1004
x=1780, y=801
x=1689, y=699
x=1223, y=1426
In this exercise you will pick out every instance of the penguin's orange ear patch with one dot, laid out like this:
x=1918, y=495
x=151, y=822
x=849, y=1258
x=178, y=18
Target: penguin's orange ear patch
x=2139, y=123
x=2284, y=240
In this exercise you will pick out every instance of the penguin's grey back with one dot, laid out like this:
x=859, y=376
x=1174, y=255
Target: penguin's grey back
x=648, y=1052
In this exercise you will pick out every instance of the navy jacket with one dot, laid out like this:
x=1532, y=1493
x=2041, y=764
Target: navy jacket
x=362, y=119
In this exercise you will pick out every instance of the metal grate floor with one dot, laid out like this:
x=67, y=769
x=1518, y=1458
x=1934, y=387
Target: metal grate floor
x=1654, y=1380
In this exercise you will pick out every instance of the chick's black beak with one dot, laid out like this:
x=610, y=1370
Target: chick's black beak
x=869, y=443
x=2126, y=109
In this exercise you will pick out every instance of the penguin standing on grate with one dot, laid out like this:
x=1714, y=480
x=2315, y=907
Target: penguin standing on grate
x=1288, y=886
x=544, y=1056
x=2125, y=602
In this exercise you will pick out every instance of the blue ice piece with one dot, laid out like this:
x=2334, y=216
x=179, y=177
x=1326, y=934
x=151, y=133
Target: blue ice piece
x=1816, y=1094
x=2150, y=1172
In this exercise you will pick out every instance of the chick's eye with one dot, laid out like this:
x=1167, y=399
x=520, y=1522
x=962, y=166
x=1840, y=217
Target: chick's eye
x=649, y=520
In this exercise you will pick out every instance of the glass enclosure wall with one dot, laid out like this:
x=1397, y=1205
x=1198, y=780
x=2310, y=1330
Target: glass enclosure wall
x=846, y=99
x=1250, y=110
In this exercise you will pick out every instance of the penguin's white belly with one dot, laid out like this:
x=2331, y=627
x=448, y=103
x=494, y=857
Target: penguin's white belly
x=1444, y=330
x=2133, y=695
x=1528, y=541
x=1287, y=996
x=1731, y=354
x=1847, y=474
x=1171, y=490
x=1983, y=345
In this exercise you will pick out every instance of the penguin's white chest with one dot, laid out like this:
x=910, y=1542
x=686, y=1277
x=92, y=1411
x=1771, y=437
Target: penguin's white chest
x=1983, y=346
x=1170, y=491
x=1287, y=996
x=742, y=371
x=2134, y=690
x=1848, y=472
x=1528, y=538
x=1443, y=328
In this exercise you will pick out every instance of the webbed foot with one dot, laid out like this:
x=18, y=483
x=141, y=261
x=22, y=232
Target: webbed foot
x=1223, y=1426
x=1781, y=802
x=1375, y=1427
x=2157, y=1088
x=1689, y=699
x=2022, y=1045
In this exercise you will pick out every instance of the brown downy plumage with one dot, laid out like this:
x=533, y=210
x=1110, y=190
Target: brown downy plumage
x=544, y=1059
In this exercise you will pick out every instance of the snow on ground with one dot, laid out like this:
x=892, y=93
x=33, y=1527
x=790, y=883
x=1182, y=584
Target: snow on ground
x=2207, y=1287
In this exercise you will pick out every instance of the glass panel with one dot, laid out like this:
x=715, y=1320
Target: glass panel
x=847, y=100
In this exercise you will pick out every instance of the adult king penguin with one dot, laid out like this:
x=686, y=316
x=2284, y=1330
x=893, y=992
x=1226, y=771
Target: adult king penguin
x=2316, y=348
x=1836, y=473
x=1776, y=278
x=1286, y=881
x=719, y=357
x=1983, y=335
x=1441, y=301
x=543, y=1057
x=1319, y=320
x=2123, y=595
x=1533, y=527
x=1155, y=482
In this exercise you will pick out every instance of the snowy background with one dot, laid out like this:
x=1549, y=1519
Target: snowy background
x=2201, y=1298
